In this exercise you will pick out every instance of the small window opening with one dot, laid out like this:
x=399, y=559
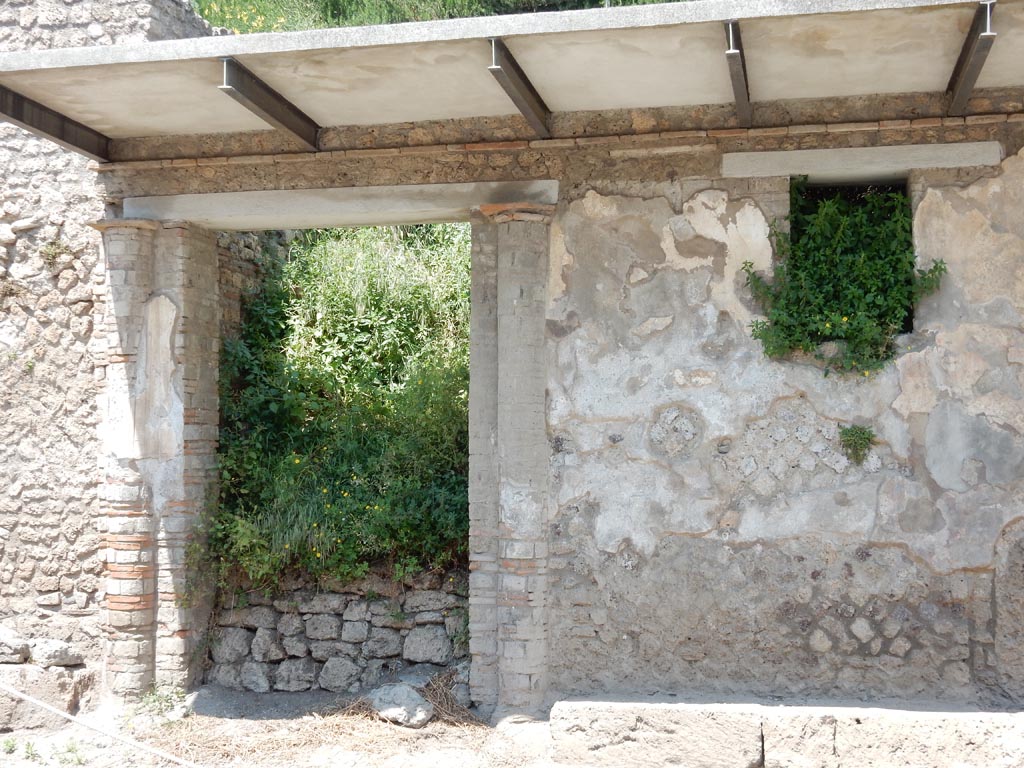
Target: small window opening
x=846, y=280
x=806, y=200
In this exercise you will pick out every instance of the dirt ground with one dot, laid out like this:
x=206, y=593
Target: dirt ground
x=219, y=727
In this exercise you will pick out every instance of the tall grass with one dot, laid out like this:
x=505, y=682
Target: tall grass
x=345, y=408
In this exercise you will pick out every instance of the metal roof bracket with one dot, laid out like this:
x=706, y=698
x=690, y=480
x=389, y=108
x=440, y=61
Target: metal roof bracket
x=972, y=58
x=514, y=81
x=738, y=74
x=267, y=104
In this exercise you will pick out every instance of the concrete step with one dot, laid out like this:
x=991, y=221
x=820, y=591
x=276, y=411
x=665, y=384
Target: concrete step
x=749, y=735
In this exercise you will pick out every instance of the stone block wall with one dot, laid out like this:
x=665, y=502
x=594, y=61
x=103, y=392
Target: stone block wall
x=342, y=641
x=55, y=329
x=707, y=533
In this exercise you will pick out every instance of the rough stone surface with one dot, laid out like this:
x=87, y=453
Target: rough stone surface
x=295, y=674
x=429, y=644
x=340, y=674
x=383, y=643
x=56, y=313
x=232, y=644
x=266, y=646
x=402, y=705
x=345, y=654
x=323, y=627
x=257, y=677
x=889, y=739
x=54, y=653
x=66, y=689
x=14, y=649
x=632, y=734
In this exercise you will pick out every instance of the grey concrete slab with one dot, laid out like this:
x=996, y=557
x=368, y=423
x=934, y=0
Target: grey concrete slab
x=643, y=56
x=860, y=164
x=339, y=207
x=455, y=29
x=821, y=56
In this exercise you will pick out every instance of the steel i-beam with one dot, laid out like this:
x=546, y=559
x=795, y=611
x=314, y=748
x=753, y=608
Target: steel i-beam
x=513, y=80
x=267, y=104
x=972, y=58
x=738, y=74
x=43, y=121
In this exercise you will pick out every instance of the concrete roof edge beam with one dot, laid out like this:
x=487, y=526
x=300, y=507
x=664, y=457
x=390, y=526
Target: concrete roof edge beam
x=42, y=121
x=267, y=104
x=520, y=90
x=738, y=73
x=972, y=58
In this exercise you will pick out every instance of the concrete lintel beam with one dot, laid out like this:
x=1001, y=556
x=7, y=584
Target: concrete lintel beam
x=267, y=104
x=738, y=73
x=50, y=124
x=860, y=164
x=972, y=58
x=520, y=90
x=338, y=207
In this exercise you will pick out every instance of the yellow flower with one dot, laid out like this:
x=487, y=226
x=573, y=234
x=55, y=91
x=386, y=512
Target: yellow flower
x=867, y=373
x=318, y=555
x=314, y=525
x=323, y=490
x=286, y=546
x=845, y=319
x=828, y=325
x=345, y=493
x=328, y=506
x=297, y=461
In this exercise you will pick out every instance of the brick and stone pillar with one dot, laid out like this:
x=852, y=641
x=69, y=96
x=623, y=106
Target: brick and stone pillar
x=159, y=433
x=508, y=456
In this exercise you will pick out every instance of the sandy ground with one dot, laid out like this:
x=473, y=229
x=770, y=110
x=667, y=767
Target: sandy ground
x=218, y=727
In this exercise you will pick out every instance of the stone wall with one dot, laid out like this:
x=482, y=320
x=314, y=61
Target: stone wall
x=354, y=638
x=53, y=357
x=707, y=533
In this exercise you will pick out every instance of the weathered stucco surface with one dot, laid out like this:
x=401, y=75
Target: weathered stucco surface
x=707, y=532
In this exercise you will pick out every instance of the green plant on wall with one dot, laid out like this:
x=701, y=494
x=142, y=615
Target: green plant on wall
x=856, y=441
x=846, y=274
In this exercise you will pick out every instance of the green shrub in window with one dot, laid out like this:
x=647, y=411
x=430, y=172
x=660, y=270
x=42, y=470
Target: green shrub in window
x=846, y=274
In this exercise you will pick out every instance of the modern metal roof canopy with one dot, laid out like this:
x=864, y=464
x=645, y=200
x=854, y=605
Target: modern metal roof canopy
x=623, y=58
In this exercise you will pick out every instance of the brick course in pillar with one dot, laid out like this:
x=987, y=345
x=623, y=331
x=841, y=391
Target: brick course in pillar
x=160, y=436
x=508, y=456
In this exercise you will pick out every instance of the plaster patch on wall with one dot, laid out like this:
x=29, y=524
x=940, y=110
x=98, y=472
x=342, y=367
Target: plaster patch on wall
x=754, y=555
x=158, y=404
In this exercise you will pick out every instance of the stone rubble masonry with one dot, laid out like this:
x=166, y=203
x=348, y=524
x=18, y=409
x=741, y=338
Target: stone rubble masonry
x=573, y=161
x=304, y=638
x=69, y=23
x=508, y=464
x=58, y=577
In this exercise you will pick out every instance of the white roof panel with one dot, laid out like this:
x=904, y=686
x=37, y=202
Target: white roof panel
x=619, y=58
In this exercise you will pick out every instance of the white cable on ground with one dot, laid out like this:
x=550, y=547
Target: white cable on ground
x=77, y=721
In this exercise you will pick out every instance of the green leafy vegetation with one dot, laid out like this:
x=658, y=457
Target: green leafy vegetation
x=856, y=442
x=284, y=15
x=345, y=409
x=846, y=274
